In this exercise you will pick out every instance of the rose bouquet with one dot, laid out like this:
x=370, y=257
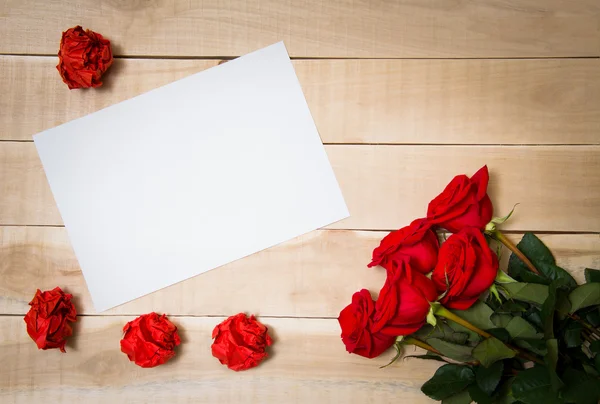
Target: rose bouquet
x=530, y=335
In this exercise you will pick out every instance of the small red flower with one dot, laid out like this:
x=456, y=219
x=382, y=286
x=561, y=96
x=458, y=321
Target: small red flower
x=463, y=203
x=49, y=317
x=240, y=342
x=150, y=340
x=83, y=58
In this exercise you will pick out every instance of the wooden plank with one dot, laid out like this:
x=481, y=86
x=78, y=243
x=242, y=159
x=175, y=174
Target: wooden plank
x=543, y=101
x=308, y=363
x=339, y=28
x=558, y=188
x=311, y=276
x=386, y=187
x=40, y=100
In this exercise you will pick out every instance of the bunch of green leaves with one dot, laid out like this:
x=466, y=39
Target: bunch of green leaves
x=547, y=318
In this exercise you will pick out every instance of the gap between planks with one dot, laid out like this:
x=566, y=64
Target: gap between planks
x=227, y=58
x=187, y=316
x=511, y=231
x=413, y=144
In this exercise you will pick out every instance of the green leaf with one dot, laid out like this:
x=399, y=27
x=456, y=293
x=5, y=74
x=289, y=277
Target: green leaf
x=533, y=248
x=533, y=345
x=512, y=306
x=473, y=337
x=479, y=395
x=494, y=292
x=572, y=334
x=500, y=333
x=584, y=296
x=478, y=314
x=592, y=275
x=441, y=331
x=532, y=386
x=581, y=387
x=500, y=220
x=459, y=398
x=527, y=292
x=432, y=356
x=542, y=259
x=502, y=277
x=576, y=356
x=491, y=350
x=593, y=317
x=529, y=277
x=597, y=362
x=553, y=272
x=431, y=318
x=504, y=395
x=590, y=370
x=399, y=350
x=488, y=378
x=563, y=305
x=447, y=381
x=453, y=351
x=501, y=320
x=549, y=307
x=551, y=359
x=533, y=315
x=520, y=328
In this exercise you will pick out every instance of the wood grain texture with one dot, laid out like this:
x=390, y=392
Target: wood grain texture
x=543, y=101
x=313, y=275
x=337, y=28
x=386, y=187
x=308, y=363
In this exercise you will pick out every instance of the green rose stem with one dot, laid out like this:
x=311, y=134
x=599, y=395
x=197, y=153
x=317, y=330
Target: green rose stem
x=593, y=331
x=421, y=344
x=588, y=336
x=426, y=346
x=512, y=247
x=441, y=311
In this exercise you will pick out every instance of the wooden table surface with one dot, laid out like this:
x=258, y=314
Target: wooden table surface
x=405, y=95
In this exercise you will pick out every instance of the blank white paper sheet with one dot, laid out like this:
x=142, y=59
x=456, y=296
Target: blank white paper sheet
x=190, y=176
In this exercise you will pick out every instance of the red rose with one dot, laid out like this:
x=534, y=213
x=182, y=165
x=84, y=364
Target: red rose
x=48, y=319
x=417, y=241
x=466, y=268
x=240, y=342
x=403, y=302
x=150, y=340
x=83, y=58
x=463, y=203
x=356, y=322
